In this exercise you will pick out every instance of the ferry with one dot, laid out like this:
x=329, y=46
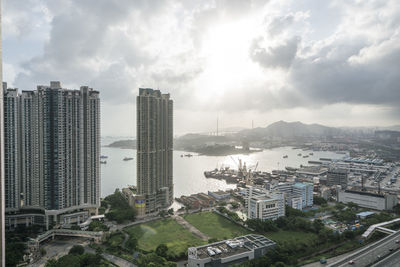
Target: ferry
x=126, y=159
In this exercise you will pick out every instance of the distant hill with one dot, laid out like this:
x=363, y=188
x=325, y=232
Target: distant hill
x=127, y=144
x=290, y=130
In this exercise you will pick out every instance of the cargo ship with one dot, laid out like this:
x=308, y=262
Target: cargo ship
x=230, y=176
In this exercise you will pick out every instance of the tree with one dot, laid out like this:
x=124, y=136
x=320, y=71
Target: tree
x=132, y=243
x=90, y=260
x=353, y=205
x=319, y=200
x=235, y=205
x=99, y=251
x=318, y=225
x=77, y=250
x=51, y=263
x=152, y=259
x=162, y=250
x=171, y=211
x=162, y=213
x=69, y=260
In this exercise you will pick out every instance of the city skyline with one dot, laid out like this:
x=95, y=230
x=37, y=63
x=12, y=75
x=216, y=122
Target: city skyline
x=263, y=61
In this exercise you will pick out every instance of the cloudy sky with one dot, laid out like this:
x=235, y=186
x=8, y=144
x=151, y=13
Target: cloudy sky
x=331, y=62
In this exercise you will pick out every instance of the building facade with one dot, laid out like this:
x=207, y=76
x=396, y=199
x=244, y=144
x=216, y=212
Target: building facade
x=264, y=204
x=2, y=178
x=337, y=176
x=57, y=142
x=367, y=199
x=154, y=148
x=298, y=195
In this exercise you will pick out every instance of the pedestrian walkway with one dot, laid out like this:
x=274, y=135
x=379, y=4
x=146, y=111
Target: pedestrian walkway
x=190, y=227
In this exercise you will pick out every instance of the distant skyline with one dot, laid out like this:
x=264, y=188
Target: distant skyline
x=334, y=63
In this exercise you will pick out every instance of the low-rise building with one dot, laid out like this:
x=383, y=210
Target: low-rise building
x=219, y=195
x=297, y=192
x=138, y=202
x=367, y=199
x=229, y=252
x=269, y=206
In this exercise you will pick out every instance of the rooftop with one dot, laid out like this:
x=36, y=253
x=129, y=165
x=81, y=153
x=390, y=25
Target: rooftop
x=227, y=248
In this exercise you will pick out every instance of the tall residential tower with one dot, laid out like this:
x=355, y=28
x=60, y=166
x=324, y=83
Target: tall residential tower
x=52, y=152
x=2, y=200
x=154, y=148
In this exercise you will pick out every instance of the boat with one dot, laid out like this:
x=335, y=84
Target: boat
x=285, y=157
x=188, y=155
x=126, y=159
x=103, y=157
x=311, y=153
x=299, y=154
x=230, y=176
x=103, y=161
x=306, y=156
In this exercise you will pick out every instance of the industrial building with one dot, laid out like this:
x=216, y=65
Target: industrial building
x=367, y=199
x=337, y=176
x=229, y=252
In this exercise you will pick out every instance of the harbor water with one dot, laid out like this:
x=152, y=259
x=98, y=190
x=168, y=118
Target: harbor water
x=189, y=171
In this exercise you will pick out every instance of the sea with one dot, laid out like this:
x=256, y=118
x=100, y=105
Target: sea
x=189, y=171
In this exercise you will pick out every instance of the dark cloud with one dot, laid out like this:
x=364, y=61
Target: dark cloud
x=281, y=55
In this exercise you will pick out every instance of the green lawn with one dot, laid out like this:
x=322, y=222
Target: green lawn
x=215, y=226
x=291, y=237
x=166, y=231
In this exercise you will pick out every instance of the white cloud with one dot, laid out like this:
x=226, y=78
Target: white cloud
x=249, y=57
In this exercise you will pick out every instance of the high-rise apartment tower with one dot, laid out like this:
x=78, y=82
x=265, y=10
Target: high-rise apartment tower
x=154, y=148
x=2, y=199
x=52, y=150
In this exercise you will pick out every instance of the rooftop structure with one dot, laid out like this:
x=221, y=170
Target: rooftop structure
x=229, y=252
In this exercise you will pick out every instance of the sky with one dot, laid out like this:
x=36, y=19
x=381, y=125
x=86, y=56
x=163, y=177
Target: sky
x=334, y=62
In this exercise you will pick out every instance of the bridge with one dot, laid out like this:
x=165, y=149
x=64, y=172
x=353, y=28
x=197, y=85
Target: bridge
x=380, y=228
x=96, y=236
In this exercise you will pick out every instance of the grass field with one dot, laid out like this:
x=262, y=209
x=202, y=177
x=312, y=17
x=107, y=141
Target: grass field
x=215, y=226
x=166, y=231
x=291, y=237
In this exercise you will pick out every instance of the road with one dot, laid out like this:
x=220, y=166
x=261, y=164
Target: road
x=371, y=253
x=58, y=248
x=114, y=259
x=392, y=260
